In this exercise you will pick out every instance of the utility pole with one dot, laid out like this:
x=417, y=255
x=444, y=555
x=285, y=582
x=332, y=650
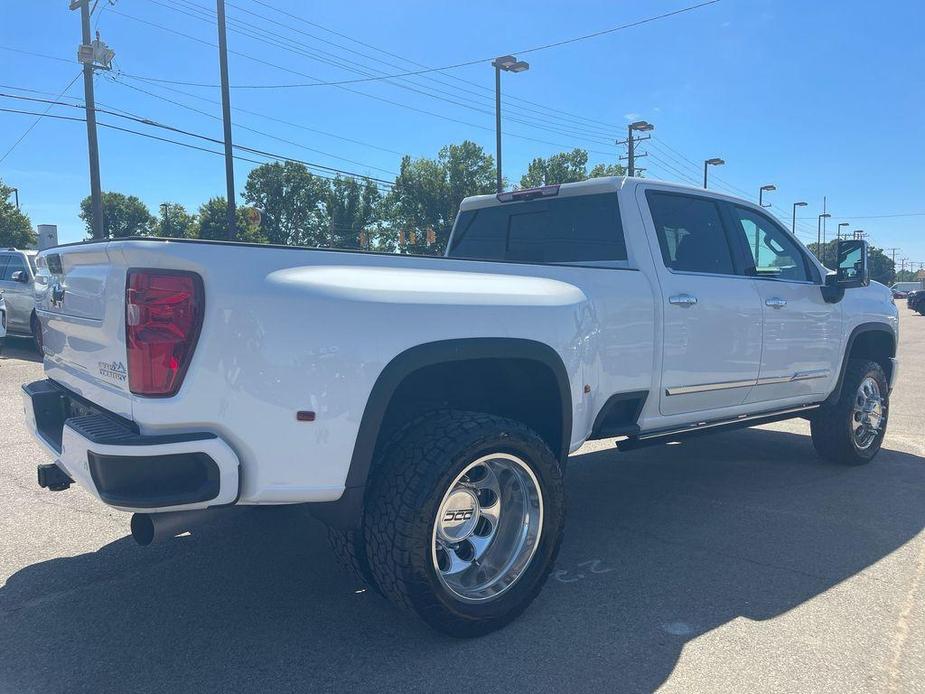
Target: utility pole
x=226, y=117
x=892, y=252
x=630, y=142
x=16, y=196
x=86, y=55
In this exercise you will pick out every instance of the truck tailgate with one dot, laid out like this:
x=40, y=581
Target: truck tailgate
x=80, y=300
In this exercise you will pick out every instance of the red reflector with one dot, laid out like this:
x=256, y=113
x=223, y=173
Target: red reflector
x=163, y=314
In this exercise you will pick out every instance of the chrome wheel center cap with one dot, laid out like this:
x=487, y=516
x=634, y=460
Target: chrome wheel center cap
x=458, y=516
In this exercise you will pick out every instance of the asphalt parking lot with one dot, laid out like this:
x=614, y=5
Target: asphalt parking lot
x=732, y=563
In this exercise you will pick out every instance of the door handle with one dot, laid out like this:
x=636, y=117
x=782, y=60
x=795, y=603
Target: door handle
x=775, y=302
x=682, y=300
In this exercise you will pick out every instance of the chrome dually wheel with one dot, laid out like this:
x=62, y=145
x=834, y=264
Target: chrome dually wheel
x=487, y=528
x=464, y=520
x=867, y=416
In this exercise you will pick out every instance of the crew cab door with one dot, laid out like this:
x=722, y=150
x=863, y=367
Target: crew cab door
x=802, y=333
x=711, y=348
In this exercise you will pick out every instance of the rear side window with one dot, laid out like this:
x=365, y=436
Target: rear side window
x=690, y=233
x=4, y=259
x=566, y=230
x=15, y=264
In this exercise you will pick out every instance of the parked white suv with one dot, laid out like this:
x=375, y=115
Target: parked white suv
x=425, y=407
x=17, y=274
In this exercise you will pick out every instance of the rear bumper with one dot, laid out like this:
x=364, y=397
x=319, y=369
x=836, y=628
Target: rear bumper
x=124, y=468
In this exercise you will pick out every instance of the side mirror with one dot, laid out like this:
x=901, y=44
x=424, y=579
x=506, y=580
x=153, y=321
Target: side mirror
x=20, y=276
x=851, y=270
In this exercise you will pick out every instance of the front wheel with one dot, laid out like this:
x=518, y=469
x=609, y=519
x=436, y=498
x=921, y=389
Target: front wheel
x=464, y=521
x=851, y=430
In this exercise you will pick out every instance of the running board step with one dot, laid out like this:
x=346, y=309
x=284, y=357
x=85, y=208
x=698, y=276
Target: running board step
x=662, y=436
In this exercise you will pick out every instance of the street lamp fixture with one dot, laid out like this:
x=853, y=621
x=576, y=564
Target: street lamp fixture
x=762, y=190
x=838, y=232
x=715, y=161
x=642, y=126
x=506, y=63
x=793, y=227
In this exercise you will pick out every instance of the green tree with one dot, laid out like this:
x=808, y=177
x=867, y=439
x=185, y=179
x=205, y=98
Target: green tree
x=15, y=226
x=175, y=222
x=123, y=215
x=212, y=223
x=423, y=203
x=565, y=167
x=601, y=170
x=351, y=208
x=291, y=200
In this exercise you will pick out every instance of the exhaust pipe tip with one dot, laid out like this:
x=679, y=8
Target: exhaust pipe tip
x=151, y=528
x=142, y=527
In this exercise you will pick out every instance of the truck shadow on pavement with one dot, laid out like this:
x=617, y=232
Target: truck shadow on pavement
x=20, y=348
x=662, y=545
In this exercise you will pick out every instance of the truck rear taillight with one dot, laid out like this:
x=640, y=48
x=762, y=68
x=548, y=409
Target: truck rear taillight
x=163, y=314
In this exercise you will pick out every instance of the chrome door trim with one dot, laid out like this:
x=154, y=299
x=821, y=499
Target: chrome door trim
x=706, y=387
x=767, y=381
x=798, y=376
x=809, y=375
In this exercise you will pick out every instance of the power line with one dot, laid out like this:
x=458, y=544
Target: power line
x=480, y=90
x=348, y=89
x=257, y=114
x=181, y=131
x=467, y=63
x=255, y=130
x=40, y=116
x=597, y=131
x=281, y=42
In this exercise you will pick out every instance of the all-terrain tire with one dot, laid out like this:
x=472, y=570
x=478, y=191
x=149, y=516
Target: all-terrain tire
x=831, y=425
x=402, y=507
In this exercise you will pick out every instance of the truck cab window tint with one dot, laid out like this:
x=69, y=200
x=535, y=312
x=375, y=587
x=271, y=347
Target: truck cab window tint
x=690, y=233
x=4, y=259
x=566, y=230
x=773, y=252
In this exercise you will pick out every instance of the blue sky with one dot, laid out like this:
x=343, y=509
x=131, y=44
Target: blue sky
x=820, y=98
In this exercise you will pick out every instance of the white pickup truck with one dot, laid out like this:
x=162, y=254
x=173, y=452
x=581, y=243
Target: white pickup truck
x=425, y=407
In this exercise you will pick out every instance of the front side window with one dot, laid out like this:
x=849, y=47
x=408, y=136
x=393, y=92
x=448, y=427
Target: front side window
x=690, y=233
x=574, y=229
x=773, y=252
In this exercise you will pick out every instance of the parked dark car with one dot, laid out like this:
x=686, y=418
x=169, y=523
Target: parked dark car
x=916, y=301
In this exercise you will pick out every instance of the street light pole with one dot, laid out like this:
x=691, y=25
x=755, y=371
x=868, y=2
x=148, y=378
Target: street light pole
x=819, y=237
x=838, y=232
x=226, y=119
x=508, y=63
x=16, y=196
x=715, y=161
x=793, y=227
x=761, y=192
